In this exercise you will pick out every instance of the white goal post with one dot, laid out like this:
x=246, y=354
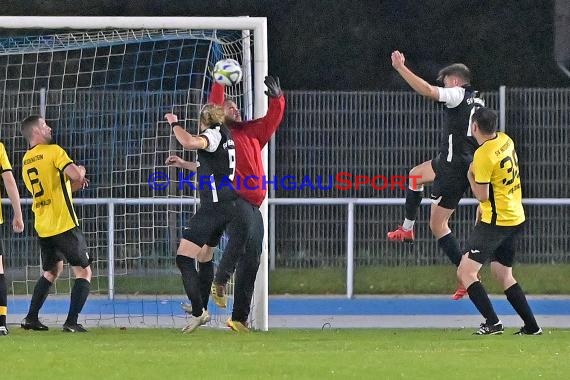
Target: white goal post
x=258, y=25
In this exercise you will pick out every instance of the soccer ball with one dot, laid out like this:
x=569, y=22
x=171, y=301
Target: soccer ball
x=227, y=72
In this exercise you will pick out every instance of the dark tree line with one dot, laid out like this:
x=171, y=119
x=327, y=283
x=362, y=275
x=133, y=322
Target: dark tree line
x=345, y=45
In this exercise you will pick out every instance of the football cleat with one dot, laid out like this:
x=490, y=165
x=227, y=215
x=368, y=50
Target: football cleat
x=526, y=331
x=3, y=331
x=73, y=328
x=400, y=234
x=187, y=307
x=489, y=329
x=460, y=292
x=237, y=326
x=219, y=295
x=196, y=322
x=35, y=325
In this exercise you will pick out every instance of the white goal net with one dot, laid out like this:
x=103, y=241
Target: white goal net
x=104, y=85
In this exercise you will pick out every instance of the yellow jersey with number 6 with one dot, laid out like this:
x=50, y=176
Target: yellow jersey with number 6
x=495, y=162
x=43, y=167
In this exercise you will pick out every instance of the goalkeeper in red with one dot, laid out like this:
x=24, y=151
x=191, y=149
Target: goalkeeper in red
x=250, y=138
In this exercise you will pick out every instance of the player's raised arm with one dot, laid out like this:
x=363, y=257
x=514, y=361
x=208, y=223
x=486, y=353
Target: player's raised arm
x=418, y=84
x=217, y=95
x=264, y=127
x=187, y=140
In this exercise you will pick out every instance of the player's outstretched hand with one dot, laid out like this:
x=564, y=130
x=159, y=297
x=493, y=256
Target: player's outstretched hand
x=273, y=87
x=174, y=161
x=398, y=60
x=171, y=118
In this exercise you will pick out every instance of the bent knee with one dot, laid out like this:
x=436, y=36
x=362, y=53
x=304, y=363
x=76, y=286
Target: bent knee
x=439, y=228
x=51, y=275
x=84, y=273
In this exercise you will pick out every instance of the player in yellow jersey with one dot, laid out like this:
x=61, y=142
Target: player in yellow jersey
x=495, y=180
x=51, y=176
x=17, y=226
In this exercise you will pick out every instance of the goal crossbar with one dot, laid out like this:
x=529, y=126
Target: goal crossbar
x=94, y=22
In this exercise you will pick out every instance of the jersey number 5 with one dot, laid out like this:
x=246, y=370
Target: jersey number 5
x=512, y=165
x=37, y=188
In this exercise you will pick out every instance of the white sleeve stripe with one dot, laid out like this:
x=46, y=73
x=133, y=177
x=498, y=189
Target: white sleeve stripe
x=452, y=97
x=214, y=137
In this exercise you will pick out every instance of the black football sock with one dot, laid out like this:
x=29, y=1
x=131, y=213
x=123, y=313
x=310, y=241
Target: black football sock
x=191, y=283
x=206, y=276
x=517, y=299
x=79, y=294
x=481, y=300
x=413, y=201
x=41, y=291
x=3, y=299
x=450, y=246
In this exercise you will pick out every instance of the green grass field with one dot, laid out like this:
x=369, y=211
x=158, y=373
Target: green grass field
x=292, y=354
x=436, y=279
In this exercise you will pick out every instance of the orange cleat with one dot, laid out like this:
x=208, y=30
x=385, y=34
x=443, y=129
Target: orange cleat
x=460, y=292
x=400, y=234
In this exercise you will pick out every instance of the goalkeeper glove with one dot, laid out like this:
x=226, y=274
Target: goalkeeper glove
x=273, y=87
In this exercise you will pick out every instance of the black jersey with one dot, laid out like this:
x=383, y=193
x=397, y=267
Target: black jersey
x=457, y=144
x=216, y=165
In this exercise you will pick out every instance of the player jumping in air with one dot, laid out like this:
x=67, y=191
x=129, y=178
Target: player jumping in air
x=448, y=169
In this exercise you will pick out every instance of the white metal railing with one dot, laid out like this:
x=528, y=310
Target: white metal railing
x=349, y=202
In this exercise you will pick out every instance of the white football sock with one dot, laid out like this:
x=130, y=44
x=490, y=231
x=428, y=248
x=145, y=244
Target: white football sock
x=408, y=224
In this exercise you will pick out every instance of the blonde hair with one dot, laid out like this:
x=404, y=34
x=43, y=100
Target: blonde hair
x=212, y=114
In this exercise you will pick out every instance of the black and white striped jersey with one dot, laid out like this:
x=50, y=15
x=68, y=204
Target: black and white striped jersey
x=457, y=144
x=216, y=165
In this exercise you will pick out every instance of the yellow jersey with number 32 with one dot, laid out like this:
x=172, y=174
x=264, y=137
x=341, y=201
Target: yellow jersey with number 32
x=495, y=162
x=5, y=166
x=42, y=169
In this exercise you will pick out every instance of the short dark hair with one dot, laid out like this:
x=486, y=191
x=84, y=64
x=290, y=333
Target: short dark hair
x=28, y=124
x=457, y=69
x=486, y=120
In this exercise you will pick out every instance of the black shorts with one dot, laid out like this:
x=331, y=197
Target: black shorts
x=69, y=245
x=493, y=242
x=211, y=219
x=450, y=183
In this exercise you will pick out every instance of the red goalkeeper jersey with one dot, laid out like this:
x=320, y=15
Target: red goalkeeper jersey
x=250, y=137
